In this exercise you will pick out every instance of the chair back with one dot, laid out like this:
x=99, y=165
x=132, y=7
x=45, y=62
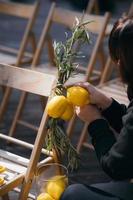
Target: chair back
x=18, y=11
x=26, y=80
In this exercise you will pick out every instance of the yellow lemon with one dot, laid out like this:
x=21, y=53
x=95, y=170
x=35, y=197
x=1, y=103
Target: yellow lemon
x=2, y=168
x=2, y=181
x=57, y=106
x=62, y=180
x=67, y=115
x=78, y=96
x=56, y=186
x=44, y=196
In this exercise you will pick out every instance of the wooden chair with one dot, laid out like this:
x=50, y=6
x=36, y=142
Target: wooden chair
x=110, y=87
x=19, y=170
x=58, y=15
x=18, y=11
x=11, y=55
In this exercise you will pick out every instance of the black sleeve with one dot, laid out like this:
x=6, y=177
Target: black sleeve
x=115, y=157
x=114, y=115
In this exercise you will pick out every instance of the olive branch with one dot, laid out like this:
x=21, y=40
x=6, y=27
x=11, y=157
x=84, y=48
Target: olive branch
x=65, y=55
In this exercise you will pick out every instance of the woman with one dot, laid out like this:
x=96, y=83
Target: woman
x=106, y=116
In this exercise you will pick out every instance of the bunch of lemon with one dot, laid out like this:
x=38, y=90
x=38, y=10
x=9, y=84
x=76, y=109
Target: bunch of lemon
x=2, y=170
x=54, y=188
x=63, y=107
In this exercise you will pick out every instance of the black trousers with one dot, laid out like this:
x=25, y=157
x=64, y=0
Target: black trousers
x=83, y=192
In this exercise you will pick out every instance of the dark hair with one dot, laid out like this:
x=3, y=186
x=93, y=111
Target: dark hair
x=121, y=47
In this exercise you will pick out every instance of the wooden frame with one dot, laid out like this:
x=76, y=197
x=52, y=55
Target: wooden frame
x=20, y=57
x=22, y=169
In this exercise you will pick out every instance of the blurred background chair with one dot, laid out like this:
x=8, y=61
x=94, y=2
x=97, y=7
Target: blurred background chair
x=9, y=53
x=58, y=16
x=20, y=170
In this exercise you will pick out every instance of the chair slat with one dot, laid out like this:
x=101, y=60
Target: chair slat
x=115, y=91
x=9, y=159
x=16, y=9
x=22, y=143
x=9, y=184
x=59, y=16
x=26, y=80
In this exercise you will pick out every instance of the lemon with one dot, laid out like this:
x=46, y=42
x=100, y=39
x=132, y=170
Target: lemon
x=69, y=111
x=2, y=181
x=56, y=106
x=2, y=168
x=61, y=179
x=56, y=186
x=78, y=96
x=44, y=196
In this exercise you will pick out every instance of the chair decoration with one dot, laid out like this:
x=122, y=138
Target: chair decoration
x=65, y=55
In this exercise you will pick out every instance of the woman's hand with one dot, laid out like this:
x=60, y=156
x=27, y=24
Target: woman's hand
x=96, y=96
x=88, y=113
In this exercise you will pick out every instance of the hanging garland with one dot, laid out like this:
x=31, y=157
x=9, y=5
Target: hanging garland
x=65, y=55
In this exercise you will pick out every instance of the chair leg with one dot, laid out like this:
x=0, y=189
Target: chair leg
x=3, y=88
x=33, y=41
x=18, y=113
x=70, y=127
x=36, y=152
x=101, y=56
x=43, y=101
x=50, y=50
x=4, y=102
x=82, y=137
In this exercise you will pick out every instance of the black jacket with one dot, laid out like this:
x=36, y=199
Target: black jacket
x=115, y=155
